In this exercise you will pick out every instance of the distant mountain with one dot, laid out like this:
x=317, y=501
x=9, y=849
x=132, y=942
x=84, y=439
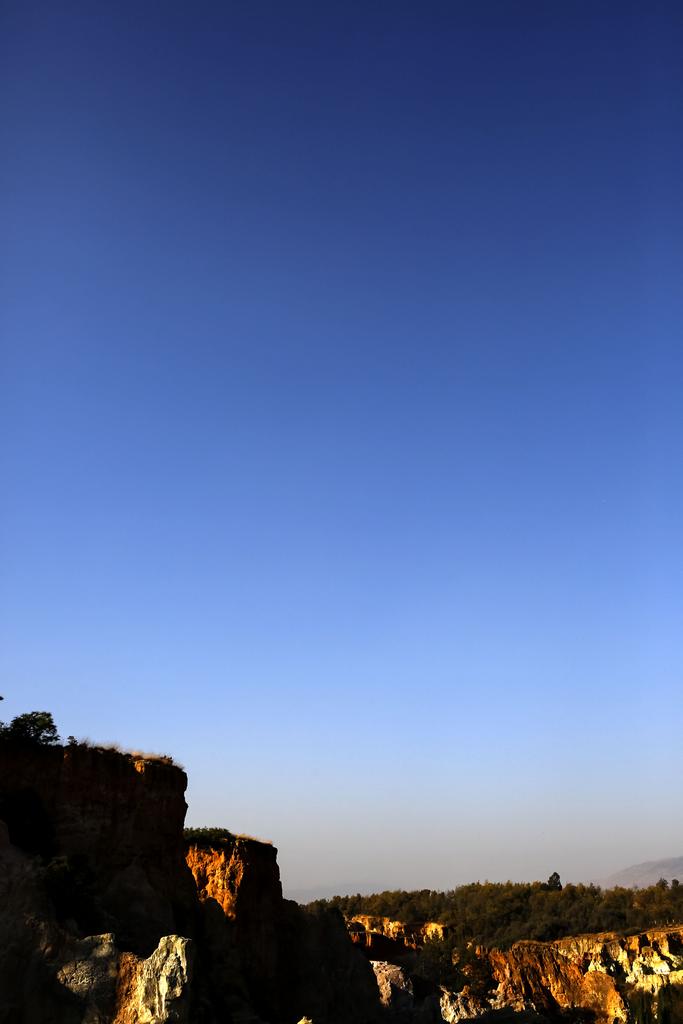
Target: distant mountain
x=642, y=875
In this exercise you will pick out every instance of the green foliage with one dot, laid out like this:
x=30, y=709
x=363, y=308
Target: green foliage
x=35, y=728
x=498, y=914
x=207, y=836
x=440, y=964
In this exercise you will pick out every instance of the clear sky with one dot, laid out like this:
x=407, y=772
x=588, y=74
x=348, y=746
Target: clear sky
x=340, y=419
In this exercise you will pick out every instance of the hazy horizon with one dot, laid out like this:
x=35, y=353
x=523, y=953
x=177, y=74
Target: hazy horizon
x=340, y=420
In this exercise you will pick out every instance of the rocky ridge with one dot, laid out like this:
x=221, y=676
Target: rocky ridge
x=605, y=979
x=108, y=918
x=93, y=888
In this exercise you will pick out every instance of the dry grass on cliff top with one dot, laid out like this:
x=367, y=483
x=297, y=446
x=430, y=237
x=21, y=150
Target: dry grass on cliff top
x=135, y=755
x=210, y=836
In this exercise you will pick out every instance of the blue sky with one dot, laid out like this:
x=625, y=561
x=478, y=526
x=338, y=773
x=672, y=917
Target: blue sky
x=340, y=429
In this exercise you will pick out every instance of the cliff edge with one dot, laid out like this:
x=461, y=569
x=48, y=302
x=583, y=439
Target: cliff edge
x=109, y=917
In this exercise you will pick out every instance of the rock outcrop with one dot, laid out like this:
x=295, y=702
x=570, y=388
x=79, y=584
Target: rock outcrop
x=291, y=963
x=365, y=928
x=602, y=979
x=107, y=918
x=109, y=827
x=156, y=990
x=94, y=888
x=401, y=997
x=611, y=977
x=51, y=975
x=240, y=878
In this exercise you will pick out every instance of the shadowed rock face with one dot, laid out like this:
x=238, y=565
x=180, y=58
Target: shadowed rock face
x=51, y=975
x=106, y=918
x=93, y=888
x=110, y=827
x=240, y=877
x=383, y=939
x=105, y=921
x=290, y=963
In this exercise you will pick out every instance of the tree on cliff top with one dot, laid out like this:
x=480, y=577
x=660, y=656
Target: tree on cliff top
x=34, y=728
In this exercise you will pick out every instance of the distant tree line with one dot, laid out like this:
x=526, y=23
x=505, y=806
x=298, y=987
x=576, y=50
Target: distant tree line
x=496, y=914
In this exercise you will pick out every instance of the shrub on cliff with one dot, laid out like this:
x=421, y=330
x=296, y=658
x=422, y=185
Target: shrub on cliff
x=439, y=963
x=207, y=836
x=34, y=728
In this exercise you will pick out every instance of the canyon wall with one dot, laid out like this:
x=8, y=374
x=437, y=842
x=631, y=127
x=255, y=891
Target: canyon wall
x=601, y=979
x=108, y=918
x=110, y=827
x=292, y=963
x=613, y=978
x=381, y=938
x=97, y=902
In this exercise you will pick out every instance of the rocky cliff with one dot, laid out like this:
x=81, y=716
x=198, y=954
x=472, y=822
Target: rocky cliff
x=612, y=978
x=108, y=918
x=602, y=979
x=381, y=938
x=97, y=901
x=292, y=963
x=109, y=828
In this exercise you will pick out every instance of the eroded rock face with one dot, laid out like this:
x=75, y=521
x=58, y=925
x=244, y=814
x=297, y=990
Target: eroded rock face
x=607, y=979
x=292, y=964
x=49, y=975
x=88, y=969
x=241, y=877
x=94, y=888
x=367, y=930
x=322, y=975
x=29, y=936
x=156, y=990
x=604, y=979
x=612, y=977
x=398, y=995
x=104, y=921
x=112, y=826
x=395, y=989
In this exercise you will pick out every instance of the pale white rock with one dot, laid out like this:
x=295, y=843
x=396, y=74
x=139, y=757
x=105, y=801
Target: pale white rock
x=394, y=984
x=460, y=1006
x=163, y=986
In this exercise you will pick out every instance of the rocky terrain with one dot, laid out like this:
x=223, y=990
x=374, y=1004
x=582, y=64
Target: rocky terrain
x=108, y=916
x=604, y=979
x=267, y=953
x=97, y=902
